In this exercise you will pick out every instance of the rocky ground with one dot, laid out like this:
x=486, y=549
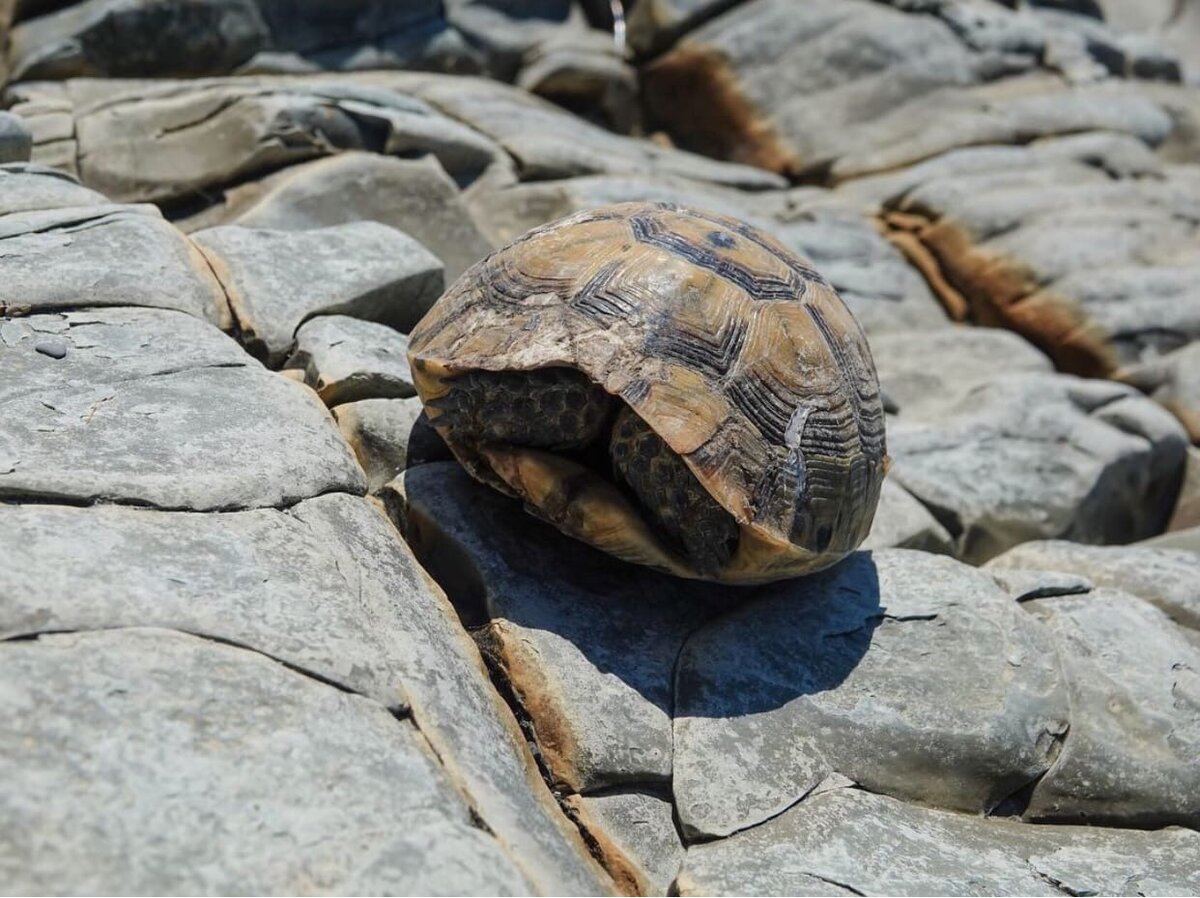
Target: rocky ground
x=261, y=635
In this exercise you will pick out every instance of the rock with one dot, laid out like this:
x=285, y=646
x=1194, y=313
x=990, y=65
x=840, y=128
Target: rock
x=850, y=842
x=1041, y=456
x=120, y=39
x=903, y=522
x=830, y=673
x=276, y=280
x=587, y=644
x=1134, y=695
x=1166, y=578
x=636, y=834
x=163, y=140
x=654, y=24
x=1187, y=538
x=415, y=196
x=925, y=371
x=379, y=431
x=16, y=143
x=1173, y=380
x=33, y=188
x=548, y=143
x=151, y=761
x=63, y=259
x=156, y=407
x=1098, y=272
x=345, y=360
x=1024, y=584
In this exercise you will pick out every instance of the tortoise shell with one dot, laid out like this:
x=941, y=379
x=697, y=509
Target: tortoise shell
x=734, y=351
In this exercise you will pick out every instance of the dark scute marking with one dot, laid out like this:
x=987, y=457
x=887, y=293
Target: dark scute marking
x=712, y=354
x=650, y=231
x=721, y=239
x=869, y=420
x=595, y=300
x=767, y=405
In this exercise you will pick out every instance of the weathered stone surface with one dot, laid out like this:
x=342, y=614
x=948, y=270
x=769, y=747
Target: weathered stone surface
x=903, y=522
x=548, y=143
x=1173, y=380
x=830, y=673
x=587, y=644
x=846, y=841
x=1168, y=579
x=150, y=761
x=63, y=258
x=1099, y=272
x=931, y=369
x=379, y=432
x=161, y=140
x=653, y=24
x=636, y=835
x=1130, y=755
x=121, y=39
x=1038, y=456
x=277, y=280
x=415, y=196
x=156, y=407
x=345, y=360
x=16, y=143
x=32, y=188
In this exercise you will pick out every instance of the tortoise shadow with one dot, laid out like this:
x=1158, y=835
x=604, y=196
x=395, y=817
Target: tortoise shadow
x=713, y=649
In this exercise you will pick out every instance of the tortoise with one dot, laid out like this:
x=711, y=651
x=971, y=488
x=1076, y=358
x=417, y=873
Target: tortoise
x=669, y=385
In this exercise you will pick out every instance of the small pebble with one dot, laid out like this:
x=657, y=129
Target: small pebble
x=56, y=349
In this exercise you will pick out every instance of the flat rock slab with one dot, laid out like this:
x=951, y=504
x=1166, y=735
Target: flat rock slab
x=415, y=196
x=1173, y=380
x=850, y=842
x=150, y=761
x=636, y=834
x=153, y=407
x=97, y=256
x=380, y=432
x=1041, y=456
x=588, y=644
x=1166, y=578
x=26, y=187
x=1134, y=683
x=327, y=588
x=903, y=522
x=831, y=673
x=345, y=359
x=277, y=280
x=1097, y=269
x=161, y=140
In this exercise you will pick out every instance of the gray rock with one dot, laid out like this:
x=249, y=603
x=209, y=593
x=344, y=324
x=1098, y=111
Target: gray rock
x=150, y=761
x=1023, y=584
x=548, y=143
x=100, y=255
x=1039, y=456
x=831, y=673
x=165, y=139
x=415, y=196
x=587, y=644
x=1135, y=696
x=1166, y=578
x=118, y=39
x=379, y=431
x=931, y=369
x=159, y=408
x=277, y=280
x=1173, y=380
x=345, y=360
x=26, y=187
x=849, y=842
x=903, y=522
x=16, y=143
x=636, y=834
